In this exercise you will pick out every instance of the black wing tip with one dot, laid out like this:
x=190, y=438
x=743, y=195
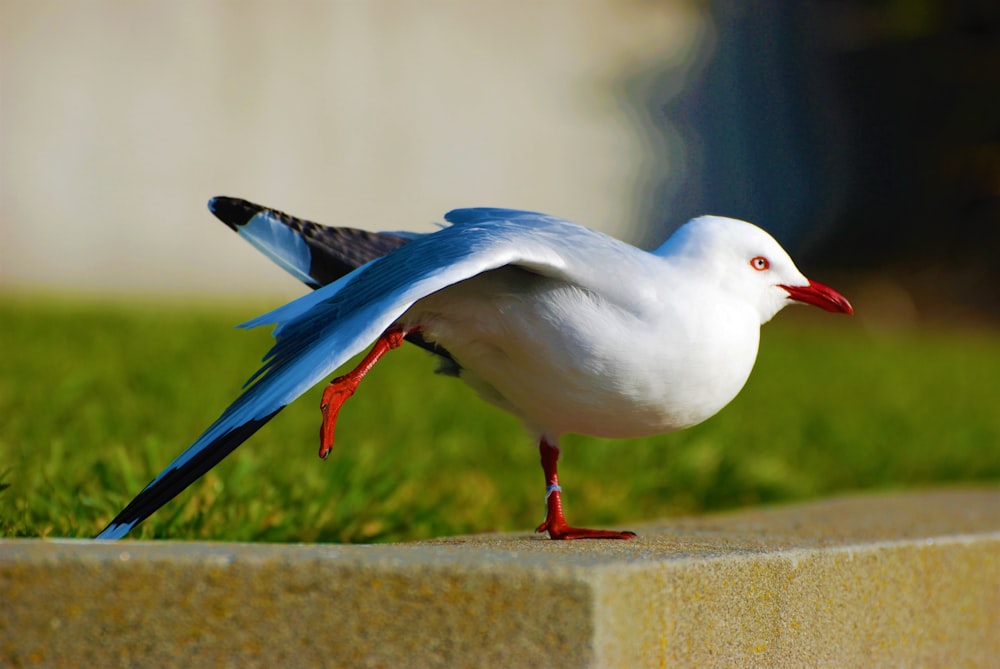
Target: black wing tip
x=172, y=481
x=233, y=211
x=113, y=532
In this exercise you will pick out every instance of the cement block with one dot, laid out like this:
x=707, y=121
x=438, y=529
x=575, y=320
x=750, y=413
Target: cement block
x=893, y=580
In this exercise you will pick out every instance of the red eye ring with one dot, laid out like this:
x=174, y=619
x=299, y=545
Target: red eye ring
x=760, y=263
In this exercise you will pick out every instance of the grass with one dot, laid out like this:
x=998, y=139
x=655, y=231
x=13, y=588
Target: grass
x=95, y=398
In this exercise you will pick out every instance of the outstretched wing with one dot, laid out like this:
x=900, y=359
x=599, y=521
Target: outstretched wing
x=318, y=332
x=313, y=253
x=316, y=254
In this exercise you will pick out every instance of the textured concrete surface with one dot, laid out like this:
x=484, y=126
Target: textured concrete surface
x=895, y=580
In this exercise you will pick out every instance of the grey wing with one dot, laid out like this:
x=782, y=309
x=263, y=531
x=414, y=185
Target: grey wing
x=321, y=330
x=313, y=253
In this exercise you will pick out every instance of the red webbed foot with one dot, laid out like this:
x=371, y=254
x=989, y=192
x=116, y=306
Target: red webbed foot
x=342, y=387
x=555, y=522
x=562, y=531
x=334, y=397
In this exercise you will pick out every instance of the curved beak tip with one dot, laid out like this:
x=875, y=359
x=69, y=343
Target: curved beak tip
x=821, y=296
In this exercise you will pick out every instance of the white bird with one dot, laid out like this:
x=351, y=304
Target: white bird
x=570, y=330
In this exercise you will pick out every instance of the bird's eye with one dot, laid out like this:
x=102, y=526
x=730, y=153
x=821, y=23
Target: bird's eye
x=760, y=263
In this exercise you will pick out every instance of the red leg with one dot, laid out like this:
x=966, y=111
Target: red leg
x=344, y=386
x=555, y=523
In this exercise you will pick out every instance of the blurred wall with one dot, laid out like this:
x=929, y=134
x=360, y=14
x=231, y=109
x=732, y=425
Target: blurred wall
x=865, y=134
x=118, y=120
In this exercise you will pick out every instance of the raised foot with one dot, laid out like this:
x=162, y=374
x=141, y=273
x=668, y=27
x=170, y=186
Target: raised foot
x=334, y=397
x=565, y=532
x=343, y=387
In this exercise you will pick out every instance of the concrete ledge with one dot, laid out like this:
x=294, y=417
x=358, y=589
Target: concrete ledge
x=898, y=580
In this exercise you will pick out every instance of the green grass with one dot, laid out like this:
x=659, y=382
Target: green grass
x=96, y=398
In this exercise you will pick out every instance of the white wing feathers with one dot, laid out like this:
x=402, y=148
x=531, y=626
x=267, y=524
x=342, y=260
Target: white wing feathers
x=318, y=332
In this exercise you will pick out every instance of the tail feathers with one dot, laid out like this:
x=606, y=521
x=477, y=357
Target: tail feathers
x=171, y=482
x=313, y=253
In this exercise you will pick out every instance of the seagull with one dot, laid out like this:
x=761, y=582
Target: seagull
x=569, y=329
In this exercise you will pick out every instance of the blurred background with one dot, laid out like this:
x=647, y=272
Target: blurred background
x=864, y=134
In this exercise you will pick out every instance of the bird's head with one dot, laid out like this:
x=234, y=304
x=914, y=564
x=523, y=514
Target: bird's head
x=746, y=261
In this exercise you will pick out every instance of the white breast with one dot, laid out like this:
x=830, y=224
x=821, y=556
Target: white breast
x=566, y=361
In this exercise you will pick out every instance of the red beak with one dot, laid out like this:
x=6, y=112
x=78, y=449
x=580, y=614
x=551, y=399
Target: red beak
x=820, y=296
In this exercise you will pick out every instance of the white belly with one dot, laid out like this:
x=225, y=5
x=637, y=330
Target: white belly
x=566, y=362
